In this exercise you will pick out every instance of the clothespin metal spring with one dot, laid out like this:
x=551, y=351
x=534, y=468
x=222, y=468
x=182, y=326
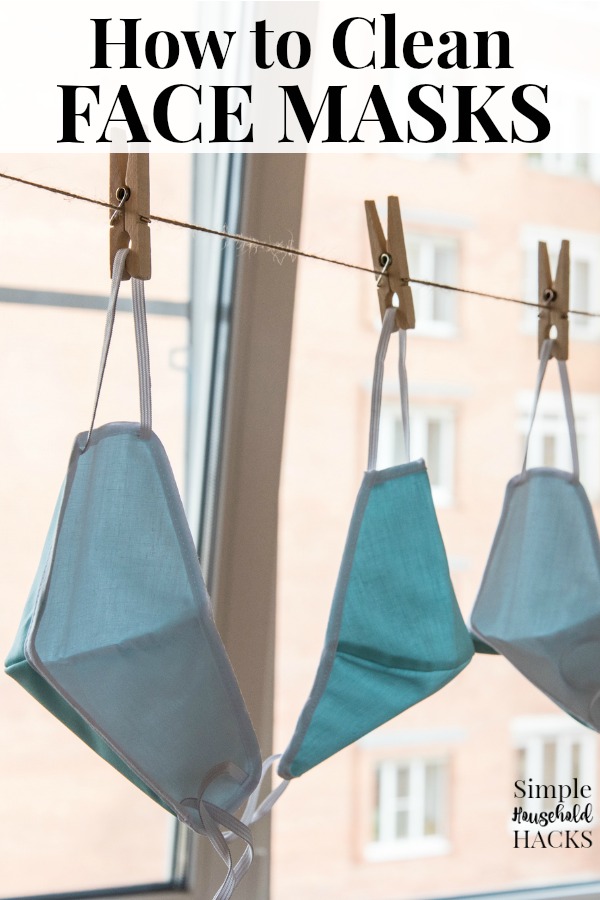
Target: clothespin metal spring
x=122, y=194
x=385, y=261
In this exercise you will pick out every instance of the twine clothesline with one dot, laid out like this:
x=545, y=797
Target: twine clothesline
x=282, y=249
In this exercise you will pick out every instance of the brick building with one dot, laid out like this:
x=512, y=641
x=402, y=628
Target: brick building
x=422, y=806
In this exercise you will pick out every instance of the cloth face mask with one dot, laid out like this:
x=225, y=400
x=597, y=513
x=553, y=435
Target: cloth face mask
x=118, y=639
x=539, y=600
x=395, y=632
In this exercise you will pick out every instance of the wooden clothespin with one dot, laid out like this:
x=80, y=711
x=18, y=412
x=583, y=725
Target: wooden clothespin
x=129, y=225
x=554, y=296
x=390, y=256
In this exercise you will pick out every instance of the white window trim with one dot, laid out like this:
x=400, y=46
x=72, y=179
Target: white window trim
x=421, y=262
x=578, y=128
x=443, y=493
x=563, y=164
x=431, y=328
x=416, y=844
x=529, y=733
x=587, y=423
x=378, y=851
x=420, y=414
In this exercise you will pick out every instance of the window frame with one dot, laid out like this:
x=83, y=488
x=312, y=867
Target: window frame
x=566, y=164
x=244, y=518
x=421, y=414
x=421, y=248
x=551, y=411
x=416, y=844
x=530, y=733
x=239, y=305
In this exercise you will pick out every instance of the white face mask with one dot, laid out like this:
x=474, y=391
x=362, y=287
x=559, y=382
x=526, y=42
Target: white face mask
x=539, y=601
x=118, y=635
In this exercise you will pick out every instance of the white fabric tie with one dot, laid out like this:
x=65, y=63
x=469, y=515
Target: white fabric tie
x=566, y=392
x=384, y=339
x=253, y=813
x=213, y=816
x=141, y=344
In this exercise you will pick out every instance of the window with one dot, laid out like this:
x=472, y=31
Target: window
x=549, y=443
x=550, y=751
x=431, y=438
x=92, y=829
x=583, y=165
x=585, y=272
x=433, y=258
x=410, y=809
x=428, y=155
x=577, y=131
x=129, y=844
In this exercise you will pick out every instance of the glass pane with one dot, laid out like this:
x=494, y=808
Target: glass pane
x=549, y=764
x=582, y=163
x=434, y=800
x=445, y=269
x=434, y=451
x=581, y=288
x=68, y=821
x=376, y=805
x=549, y=769
x=576, y=760
x=521, y=764
x=549, y=450
x=422, y=300
x=399, y=453
x=402, y=782
x=442, y=306
x=402, y=831
x=418, y=251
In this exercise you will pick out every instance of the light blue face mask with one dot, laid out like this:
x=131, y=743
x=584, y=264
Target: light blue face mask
x=118, y=638
x=539, y=601
x=395, y=632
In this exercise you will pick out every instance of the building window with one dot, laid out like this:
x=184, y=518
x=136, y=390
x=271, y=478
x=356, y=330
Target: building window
x=550, y=751
x=585, y=272
x=549, y=443
x=581, y=165
x=431, y=438
x=432, y=258
x=428, y=155
x=409, y=816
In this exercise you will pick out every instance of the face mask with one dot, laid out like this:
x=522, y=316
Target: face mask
x=118, y=638
x=395, y=632
x=538, y=603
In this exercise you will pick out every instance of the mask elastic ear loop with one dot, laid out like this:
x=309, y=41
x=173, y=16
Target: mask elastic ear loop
x=213, y=819
x=141, y=343
x=384, y=339
x=404, y=393
x=566, y=392
x=143, y=355
x=568, y=401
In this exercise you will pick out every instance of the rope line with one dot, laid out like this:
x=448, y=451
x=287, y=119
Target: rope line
x=284, y=250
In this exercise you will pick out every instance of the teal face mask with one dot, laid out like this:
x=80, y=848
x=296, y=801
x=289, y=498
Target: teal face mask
x=395, y=632
x=539, y=601
x=118, y=638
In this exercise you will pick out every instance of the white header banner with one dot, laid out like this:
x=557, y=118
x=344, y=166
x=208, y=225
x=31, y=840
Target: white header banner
x=402, y=77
